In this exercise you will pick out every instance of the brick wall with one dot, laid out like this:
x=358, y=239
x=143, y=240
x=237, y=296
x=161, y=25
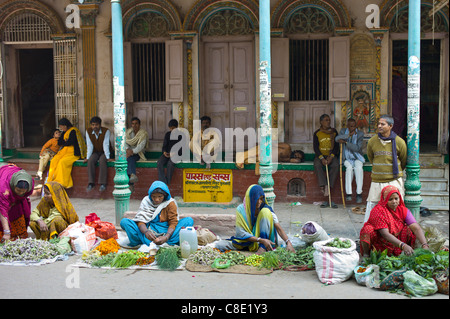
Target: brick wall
x=241, y=180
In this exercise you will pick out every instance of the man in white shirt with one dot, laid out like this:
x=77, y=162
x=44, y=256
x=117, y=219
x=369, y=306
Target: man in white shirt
x=97, y=142
x=136, y=140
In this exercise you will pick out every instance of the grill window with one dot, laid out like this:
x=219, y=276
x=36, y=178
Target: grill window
x=149, y=83
x=308, y=75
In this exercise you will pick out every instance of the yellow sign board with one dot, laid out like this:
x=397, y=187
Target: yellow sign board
x=200, y=185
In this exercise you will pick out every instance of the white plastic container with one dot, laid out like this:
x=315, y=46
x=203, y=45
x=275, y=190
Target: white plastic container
x=189, y=234
x=185, y=249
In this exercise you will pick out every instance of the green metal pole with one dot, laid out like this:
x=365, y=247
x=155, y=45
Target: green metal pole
x=265, y=107
x=121, y=191
x=412, y=183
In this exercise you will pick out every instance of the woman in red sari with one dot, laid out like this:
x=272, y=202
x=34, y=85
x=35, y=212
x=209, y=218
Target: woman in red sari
x=391, y=226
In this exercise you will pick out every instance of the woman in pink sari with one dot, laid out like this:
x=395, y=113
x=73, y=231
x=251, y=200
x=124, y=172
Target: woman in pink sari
x=16, y=186
x=391, y=226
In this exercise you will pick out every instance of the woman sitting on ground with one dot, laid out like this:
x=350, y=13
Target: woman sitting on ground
x=257, y=225
x=391, y=226
x=53, y=214
x=156, y=220
x=16, y=186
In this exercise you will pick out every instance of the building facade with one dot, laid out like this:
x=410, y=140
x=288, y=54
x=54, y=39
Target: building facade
x=188, y=58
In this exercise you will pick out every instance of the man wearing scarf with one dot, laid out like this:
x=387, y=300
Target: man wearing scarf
x=136, y=140
x=387, y=152
x=353, y=158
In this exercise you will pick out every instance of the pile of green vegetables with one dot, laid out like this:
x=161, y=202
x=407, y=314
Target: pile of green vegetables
x=424, y=262
x=115, y=260
x=233, y=256
x=168, y=258
x=281, y=258
x=339, y=243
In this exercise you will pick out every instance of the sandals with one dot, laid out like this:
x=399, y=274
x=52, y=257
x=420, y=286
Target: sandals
x=358, y=210
x=327, y=204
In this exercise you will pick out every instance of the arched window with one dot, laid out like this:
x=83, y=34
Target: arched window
x=27, y=27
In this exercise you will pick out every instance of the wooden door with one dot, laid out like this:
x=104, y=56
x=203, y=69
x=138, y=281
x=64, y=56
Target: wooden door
x=229, y=95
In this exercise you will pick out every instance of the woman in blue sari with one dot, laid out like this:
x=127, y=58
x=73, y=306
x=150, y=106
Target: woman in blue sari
x=257, y=226
x=156, y=220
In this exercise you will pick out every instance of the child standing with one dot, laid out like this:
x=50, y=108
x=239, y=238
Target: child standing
x=47, y=152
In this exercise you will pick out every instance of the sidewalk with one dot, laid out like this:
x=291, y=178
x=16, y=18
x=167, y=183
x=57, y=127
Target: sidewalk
x=61, y=280
x=337, y=222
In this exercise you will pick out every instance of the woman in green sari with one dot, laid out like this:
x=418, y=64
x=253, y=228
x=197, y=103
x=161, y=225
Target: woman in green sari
x=257, y=225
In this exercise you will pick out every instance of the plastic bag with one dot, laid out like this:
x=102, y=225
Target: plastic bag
x=373, y=279
x=82, y=237
x=63, y=245
x=362, y=273
x=417, y=285
x=92, y=217
x=221, y=264
x=334, y=265
x=104, y=230
x=312, y=232
x=441, y=280
x=435, y=238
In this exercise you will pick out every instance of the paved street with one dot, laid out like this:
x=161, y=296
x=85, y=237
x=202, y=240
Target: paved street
x=60, y=280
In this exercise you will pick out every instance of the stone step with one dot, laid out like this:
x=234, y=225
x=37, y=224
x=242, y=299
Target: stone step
x=431, y=159
x=433, y=184
x=434, y=171
x=435, y=200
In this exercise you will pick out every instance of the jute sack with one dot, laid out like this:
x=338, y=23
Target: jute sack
x=204, y=236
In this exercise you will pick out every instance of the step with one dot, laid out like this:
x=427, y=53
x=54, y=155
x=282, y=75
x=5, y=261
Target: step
x=435, y=200
x=433, y=184
x=431, y=159
x=432, y=171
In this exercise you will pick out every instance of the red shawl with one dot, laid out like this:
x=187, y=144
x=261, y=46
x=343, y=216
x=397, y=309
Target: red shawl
x=383, y=217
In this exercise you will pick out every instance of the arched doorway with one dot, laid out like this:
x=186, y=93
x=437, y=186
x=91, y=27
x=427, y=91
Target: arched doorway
x=433, y=72
x=29, y=94
x=225, y=46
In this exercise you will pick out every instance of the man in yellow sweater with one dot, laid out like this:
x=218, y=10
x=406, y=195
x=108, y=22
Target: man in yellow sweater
x=387, y=152
x=326, y=154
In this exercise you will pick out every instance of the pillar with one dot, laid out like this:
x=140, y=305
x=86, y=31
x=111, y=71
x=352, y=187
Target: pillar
x=412, y=183
x=88, y=13
x=121, y=191
x=265, y=143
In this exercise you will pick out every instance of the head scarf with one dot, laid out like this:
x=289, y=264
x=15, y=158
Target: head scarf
x=61, y=202
x=148, y=210
x=161, y=188
x=19, y=176
x=246, y=220
x=252, y=196
x=383, y=216
x=80, y=140
x=10, y=175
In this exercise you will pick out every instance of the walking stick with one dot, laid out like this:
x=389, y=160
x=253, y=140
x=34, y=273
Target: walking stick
x=340, y=173
x=328, y=181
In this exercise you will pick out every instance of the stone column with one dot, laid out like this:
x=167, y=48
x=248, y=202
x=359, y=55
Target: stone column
x=88, y=13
